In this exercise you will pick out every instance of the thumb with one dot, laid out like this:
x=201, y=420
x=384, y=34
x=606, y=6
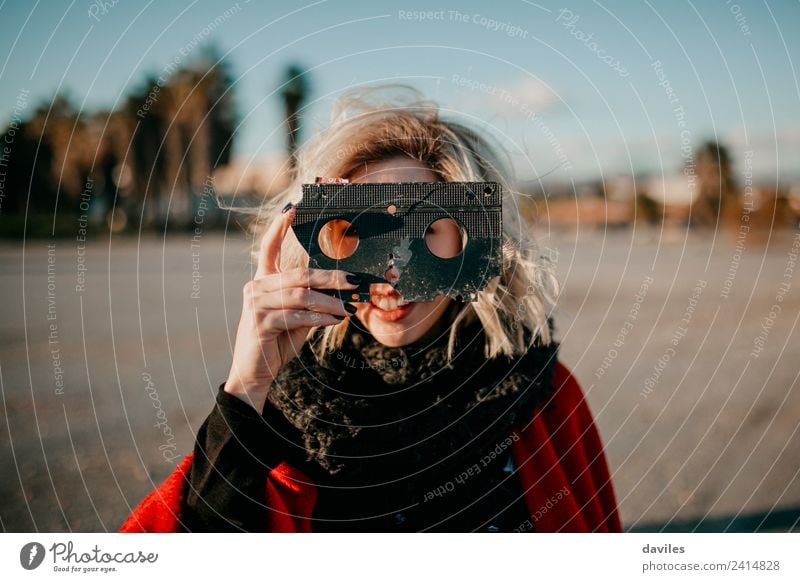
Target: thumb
x=269, y=256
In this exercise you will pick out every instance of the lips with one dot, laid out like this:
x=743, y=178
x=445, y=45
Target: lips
x=389, y=305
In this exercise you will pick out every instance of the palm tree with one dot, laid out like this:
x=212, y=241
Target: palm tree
x=295, y=91
x=715, y=183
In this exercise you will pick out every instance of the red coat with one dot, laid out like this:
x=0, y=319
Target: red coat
x=559, y=457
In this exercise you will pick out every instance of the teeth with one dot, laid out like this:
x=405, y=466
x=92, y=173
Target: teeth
x=388, y=303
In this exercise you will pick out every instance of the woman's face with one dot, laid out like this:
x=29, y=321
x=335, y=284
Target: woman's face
x=390, y=322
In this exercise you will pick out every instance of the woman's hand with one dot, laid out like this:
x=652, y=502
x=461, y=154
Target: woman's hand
x=278, y=311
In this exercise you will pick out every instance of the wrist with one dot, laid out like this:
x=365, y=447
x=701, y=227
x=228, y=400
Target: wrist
x=253, y=394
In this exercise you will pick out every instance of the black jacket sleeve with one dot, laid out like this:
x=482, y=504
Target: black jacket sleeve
x=236, y=447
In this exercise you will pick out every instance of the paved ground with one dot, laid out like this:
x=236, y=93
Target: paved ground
x=102, y=385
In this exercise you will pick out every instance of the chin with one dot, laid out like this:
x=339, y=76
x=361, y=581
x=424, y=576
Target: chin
x=399, y=329
x=393, y=341
x=397, y=332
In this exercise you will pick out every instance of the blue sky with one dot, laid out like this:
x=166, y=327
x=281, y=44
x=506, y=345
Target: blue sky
x=586, y=69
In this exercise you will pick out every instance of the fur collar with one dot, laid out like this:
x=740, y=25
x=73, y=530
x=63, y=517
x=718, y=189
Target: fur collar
x=369, y=409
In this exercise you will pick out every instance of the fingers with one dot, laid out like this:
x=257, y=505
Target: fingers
x=290, y=319
x=307, y=278
x=294, y=298
x=269, y=257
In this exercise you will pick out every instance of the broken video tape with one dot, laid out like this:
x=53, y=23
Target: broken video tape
x=368, y=228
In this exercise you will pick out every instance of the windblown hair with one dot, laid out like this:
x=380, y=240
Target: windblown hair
x=379, y=122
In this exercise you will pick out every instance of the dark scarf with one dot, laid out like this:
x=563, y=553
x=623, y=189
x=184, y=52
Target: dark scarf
x=368, y=411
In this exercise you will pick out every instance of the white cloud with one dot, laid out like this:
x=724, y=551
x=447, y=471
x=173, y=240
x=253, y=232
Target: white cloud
x=534, y=94
x=520, y=96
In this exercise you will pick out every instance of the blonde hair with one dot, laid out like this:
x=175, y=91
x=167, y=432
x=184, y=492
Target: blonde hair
x=374, y=123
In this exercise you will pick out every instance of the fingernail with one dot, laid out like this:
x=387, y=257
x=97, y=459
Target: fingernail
x=350, y=307
x=287, y=208
x=354, y=279
x=339, y=317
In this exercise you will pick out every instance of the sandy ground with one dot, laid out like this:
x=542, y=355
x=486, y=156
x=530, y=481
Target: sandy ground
x=110, y=357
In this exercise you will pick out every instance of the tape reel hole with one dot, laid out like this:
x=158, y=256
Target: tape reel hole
x=338, y=239
x=446, y=238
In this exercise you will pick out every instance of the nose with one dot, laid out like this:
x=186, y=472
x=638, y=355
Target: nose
x=392, y=274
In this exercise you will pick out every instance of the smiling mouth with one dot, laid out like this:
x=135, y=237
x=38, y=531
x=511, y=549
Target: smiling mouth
x=388, y=302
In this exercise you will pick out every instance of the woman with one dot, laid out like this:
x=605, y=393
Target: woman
x=387, y=415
